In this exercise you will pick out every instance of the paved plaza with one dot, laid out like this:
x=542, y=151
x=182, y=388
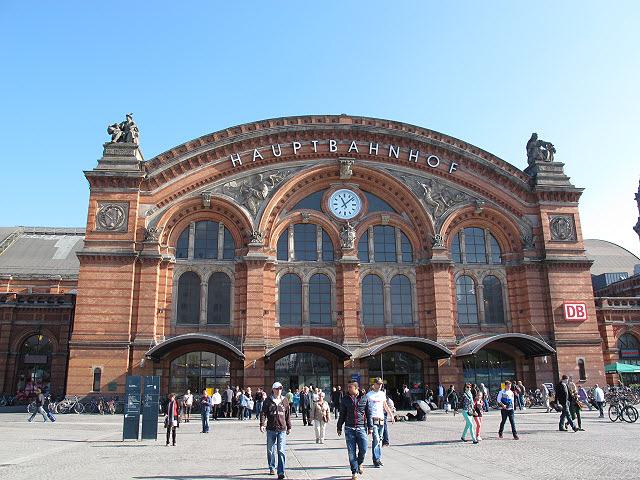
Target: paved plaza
x=90, y=446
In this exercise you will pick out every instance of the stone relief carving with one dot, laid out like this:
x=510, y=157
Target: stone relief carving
x=206, y=199
x=561, y=227
x=347, y=235
x=539, y=150
x=437, y=197
x=152, y=234
x=251, y=192
x=124, y=132
x=437, y=240
x=528, y=241
x=112, y=217
x=256, y=237
x=346, y=168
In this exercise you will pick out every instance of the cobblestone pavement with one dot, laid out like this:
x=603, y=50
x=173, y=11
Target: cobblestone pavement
x=82, y=446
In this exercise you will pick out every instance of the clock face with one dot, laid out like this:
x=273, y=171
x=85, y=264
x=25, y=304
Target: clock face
x=345, y=204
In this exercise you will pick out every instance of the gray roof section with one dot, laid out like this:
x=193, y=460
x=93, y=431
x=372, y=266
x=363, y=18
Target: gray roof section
x=43, y=251
x=609, y=258
x=6, y=231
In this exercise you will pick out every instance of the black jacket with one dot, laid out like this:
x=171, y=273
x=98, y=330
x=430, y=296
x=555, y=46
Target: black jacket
x=562, y=394
x=354, y=413
x=336, y=398
x=305, y=401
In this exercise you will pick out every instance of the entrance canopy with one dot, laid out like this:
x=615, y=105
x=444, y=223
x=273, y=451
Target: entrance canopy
x=308, y=341
x=530, y=346
x=621, y=368
x=160, y=350
x=435, y=350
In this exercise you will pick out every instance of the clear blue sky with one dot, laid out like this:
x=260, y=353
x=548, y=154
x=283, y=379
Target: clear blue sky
x=488, y=73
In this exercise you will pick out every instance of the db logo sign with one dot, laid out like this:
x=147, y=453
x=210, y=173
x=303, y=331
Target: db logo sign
x=575, y=312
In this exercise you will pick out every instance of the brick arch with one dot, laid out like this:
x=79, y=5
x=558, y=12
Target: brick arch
x=371, y=179
x=43, y=331
x=177, y=218
x=505, y=231
x=315, y=218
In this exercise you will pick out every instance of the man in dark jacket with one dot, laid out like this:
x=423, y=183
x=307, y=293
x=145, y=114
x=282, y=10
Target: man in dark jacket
x=39, y=406
x=227, y=400
x=563, y=400
x=356, y=417
x=305, y=406
x=275, y=419
x=336, y=400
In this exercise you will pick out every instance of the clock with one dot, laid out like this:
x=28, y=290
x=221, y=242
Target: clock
x=345, y=204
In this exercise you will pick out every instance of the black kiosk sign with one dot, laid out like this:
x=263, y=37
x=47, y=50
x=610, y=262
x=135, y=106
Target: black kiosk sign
x=150, y=400
x=132, y=404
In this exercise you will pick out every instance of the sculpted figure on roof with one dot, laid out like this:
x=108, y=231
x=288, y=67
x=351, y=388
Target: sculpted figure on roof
x=539, y=150
x=125, y=132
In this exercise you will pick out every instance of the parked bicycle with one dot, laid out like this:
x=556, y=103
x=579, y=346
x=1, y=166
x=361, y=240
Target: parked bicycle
x=620, y=409
x=68, y=406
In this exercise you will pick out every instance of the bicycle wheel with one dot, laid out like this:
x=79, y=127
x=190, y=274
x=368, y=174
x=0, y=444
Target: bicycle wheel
x=90, y=408
x=31, y=407
x=614, y=413
x=118, y=407
x=78, y=408
x=629, y=414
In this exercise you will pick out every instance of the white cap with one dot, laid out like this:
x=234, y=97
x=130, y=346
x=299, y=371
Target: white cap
x=276, y=385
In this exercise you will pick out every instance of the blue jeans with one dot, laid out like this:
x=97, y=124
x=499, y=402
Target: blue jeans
x=356, y=437
x=205, y=419
x=510, y=414
x=385, y=435
x=468, y=426
x=39, y=410
x=378, y=432
x=565, y=417
x=279, y=438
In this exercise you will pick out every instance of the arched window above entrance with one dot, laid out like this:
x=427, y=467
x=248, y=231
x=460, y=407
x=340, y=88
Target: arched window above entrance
x=490, y=367
x=34, y=364
x=188, y=299
x=629, y=348
x=196, y=371
x=219, y=299
x=290, y=312
x=206, y=240
x=303, y=369
x=309, y=241
x=384, y=243
x=475, y=246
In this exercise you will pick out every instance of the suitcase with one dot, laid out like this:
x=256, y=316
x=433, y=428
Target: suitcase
x=51, y=417
x=433, y=406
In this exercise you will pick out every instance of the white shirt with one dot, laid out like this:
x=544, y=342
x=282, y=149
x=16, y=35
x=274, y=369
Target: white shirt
x=188, y=399
x=506, y=397
x=376, y=403
x=216, y=399
x=598, y=394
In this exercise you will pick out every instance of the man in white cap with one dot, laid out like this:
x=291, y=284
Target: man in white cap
x=275, y=420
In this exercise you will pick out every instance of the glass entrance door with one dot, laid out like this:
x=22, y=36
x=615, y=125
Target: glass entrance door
x=299, y=369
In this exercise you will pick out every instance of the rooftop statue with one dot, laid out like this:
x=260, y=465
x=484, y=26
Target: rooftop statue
x=125, y=132
x=539, y=150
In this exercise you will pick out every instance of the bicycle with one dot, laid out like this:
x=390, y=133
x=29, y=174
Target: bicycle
x=622, y=410
x=67, y=406
x=94, y=406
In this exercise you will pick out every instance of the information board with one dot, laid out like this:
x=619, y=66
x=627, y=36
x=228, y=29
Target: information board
x=132, y=404
x=150, y=399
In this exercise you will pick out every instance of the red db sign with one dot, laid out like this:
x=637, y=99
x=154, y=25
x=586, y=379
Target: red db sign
x=575, y=312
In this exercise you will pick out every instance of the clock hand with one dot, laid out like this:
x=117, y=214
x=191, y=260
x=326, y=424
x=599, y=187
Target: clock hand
x=344, y=204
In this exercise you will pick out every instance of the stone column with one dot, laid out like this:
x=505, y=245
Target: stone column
x=204, y=297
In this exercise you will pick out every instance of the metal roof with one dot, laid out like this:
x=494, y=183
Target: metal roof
x=309, y=341
x=41, y=251
x=160, y=350
x=609, y=258
x=434, y=349
x=530, y=346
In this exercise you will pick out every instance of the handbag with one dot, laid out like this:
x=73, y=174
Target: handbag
x=166, y=422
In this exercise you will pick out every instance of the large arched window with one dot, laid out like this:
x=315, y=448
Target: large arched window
x=363, y=248
x=466, y=300
x=320, y=300
x=212, y=241
x=219, y=299
x=384, y=243
x=475, y=246
x=401, y=311
x=290, y=300
x=308, y=241
x=34, y=365
x=492, y=296
x=188, y=299
x=305, y=242
x=372, y=300
x=629, y=348
x=390, y=244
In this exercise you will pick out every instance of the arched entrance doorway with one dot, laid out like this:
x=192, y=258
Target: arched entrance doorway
x=629, y=348
x=304, y=368
x=34, y=365
x=397, y=370
x=490, y=367
x=196, y=371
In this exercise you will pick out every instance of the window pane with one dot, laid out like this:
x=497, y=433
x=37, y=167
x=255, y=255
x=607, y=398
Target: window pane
x=407, y=251
x=182, y=247
x=283, y=246
x=474, y=245
x=304, y=242
x=320, y=300
x=219, y=302
x=290, y=300
x=312, y=202
x=229, y=251
x=466, y=301
x=372, y=300
x=206, y=242
x=188, y=298
x=401, y=312
x=384, y=240
x=493, y=310
x=455, y=249
x=363, y=248
x=376, y=204
x=327, y=247
x=496, y=254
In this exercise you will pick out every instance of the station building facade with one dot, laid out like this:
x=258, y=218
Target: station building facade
x=316, y=249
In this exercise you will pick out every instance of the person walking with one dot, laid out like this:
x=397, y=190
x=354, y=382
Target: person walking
x=39, y=406
x=598, y=396
x=336, y=400
x=506, y=402
x=378, y=406
x=188, y=404
x=584, y=397
x=391, y=405
x=289, y=397
x=296, y=402
x=563, y=399
x=452, y=398
x=242, y=404
x=321, y=416
x=275, y=419
x=259, y=399
x=356, y=417
x=544, y=395
x=172, y=418
x=205, y=410
x=519, y=395
x=216, y=401
x=485, y=396
x=250, y=403
x=305, y=406
x=227, y=397
x=440, y=396
x=575, y=405
x=468, y=412
x=479, y=408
